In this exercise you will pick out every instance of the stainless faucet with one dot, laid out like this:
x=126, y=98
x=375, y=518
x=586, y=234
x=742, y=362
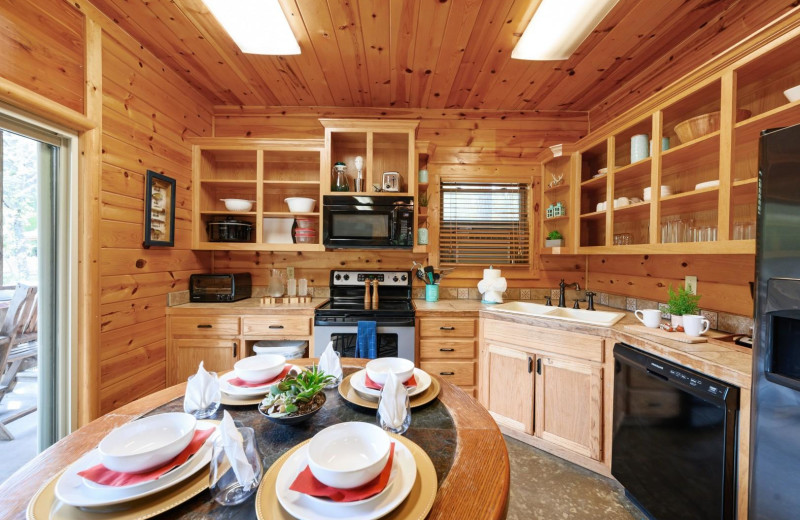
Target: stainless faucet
x=561, y=287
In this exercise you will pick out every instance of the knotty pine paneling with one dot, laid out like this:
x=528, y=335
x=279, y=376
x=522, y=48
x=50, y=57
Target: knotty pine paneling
x=42, y=45
x=148, y=112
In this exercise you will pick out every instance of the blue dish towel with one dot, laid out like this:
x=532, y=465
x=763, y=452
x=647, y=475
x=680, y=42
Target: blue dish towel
x=366, y=340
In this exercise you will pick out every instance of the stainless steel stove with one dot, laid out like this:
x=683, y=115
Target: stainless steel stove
x=337, y=320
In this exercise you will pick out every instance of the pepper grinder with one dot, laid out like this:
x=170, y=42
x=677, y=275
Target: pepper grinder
x=367, y=300
x=375, y=294
x=359, y=163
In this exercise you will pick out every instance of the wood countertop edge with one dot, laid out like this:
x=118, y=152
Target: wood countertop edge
x=475, y=429
x=675, y=351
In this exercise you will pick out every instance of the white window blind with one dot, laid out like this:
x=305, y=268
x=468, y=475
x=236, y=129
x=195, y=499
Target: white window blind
x=484, y=223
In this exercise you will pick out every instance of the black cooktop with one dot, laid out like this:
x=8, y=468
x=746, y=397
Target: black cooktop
x=355, y=306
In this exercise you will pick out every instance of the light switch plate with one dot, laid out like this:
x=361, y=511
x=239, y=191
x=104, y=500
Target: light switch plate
x=290, y=272
x=691, y=284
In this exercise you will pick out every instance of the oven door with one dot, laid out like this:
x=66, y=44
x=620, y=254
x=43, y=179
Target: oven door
x=393, y=341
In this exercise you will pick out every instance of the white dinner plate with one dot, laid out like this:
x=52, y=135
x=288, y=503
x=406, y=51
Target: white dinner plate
x=240, y=391
x=358, y=382
x=71, y=488
x=305, y=507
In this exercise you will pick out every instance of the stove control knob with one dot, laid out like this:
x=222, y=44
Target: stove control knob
x=403, y=278
x=346, y=277
x=337, y=277
x=394, y=279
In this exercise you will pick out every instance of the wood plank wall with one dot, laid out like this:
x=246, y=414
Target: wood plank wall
x=148, y=111
x=473, y=143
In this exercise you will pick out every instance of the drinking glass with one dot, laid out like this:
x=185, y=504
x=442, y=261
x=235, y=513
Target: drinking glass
x=212, y=407
x=387, y=427
x=224, y=487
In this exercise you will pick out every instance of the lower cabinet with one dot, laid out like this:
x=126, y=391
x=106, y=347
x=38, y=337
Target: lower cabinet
x=530, y=386
x=217, y=355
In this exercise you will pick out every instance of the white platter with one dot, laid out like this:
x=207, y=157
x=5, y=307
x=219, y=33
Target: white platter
x=358, y=382
x=73, y=490
x=305, y=507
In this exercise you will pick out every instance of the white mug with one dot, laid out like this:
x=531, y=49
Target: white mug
x=650, y=317
x=695, y=325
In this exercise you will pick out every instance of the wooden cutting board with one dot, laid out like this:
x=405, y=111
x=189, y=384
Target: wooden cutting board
x=674, y=336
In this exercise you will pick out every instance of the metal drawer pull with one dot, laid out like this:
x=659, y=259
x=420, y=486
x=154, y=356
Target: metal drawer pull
x=205, y=326
x=447, y=373
x=447, y=328
x=276, y=326
x=447, y=350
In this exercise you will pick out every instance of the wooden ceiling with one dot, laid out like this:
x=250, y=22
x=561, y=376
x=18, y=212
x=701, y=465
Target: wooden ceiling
x=437, y=53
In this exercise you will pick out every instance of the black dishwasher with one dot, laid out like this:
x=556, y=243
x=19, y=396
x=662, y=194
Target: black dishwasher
x=674, y=446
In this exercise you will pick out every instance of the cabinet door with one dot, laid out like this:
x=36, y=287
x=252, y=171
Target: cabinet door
x=509, y=386
x=218, y=355
x=569, y=404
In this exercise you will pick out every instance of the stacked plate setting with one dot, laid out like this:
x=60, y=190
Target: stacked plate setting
x=377, y=370
x=136, y=447
x=265, y=367
x=347, y=455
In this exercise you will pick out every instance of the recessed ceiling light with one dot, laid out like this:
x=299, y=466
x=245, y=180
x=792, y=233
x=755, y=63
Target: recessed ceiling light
x=257, y=26
x=558, y=27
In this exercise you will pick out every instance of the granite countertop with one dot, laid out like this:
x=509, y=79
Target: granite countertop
x=732, y=364
x=247, y=306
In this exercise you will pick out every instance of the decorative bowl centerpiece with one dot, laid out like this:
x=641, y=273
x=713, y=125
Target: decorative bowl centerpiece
x=296, y=397
x=147, y=443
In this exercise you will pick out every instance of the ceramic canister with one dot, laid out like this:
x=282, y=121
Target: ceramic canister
x=640, y=147
x=423, y=176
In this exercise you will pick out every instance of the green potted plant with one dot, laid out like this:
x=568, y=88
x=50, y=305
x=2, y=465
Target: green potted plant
x=554, y=239
x=296, y=397
x=681, y=302
x=423, y=203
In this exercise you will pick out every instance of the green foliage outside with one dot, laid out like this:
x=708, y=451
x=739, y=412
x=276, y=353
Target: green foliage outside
x=20, y=220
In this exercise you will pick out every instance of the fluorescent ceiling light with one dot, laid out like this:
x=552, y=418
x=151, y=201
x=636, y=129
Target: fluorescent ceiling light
x=257, y=26
x=558, y=27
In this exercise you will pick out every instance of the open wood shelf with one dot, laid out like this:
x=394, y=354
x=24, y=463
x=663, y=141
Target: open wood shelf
x=595, y=215
x=690, y=201
x=595, y=183
x=639, y=168
x=638, y=211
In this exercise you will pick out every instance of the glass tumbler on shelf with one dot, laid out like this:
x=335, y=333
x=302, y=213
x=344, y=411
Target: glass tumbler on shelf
x=224, y=486
x=385, y=424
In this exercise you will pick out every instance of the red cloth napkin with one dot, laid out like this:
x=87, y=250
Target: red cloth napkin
x=244, y=384
x=103, y=475
x=369, y=383
x=308, y=484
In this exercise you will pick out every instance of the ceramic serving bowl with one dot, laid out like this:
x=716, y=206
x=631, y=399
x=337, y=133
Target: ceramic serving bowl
x=300, y=204
x=147, y=443
x=378, y=369
x=255, y=369
x=348, y=455
x=238, y=204
x=792, y=94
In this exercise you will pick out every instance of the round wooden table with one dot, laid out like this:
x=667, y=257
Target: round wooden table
x=475, y=485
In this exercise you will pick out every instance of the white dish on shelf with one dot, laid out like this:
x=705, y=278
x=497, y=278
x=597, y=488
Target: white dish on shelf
x=358, y=382
x=707, y=184
x=792, y=94
x=72, y=489
x=238, y=204
x=303, y=506
x=278, y=230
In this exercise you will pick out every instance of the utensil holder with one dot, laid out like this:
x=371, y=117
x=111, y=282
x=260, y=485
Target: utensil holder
x=432, y=293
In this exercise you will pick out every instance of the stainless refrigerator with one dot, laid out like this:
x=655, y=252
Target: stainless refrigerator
x=775, y=428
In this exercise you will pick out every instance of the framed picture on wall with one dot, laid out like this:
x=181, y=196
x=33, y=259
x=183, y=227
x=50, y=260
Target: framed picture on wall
x=159, y=210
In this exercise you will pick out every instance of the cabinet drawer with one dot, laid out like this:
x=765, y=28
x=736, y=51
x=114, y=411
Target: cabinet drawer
x=277, y=325
x=447, y=328
x=460, y=373
x=539, y=339
x=446, y=349
x=204, y=326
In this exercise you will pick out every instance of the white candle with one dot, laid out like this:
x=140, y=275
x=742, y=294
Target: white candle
x=291, y=287
x=302, y=287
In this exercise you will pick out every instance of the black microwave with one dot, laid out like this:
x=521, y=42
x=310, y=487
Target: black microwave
x=220, y=287
x=353, y=221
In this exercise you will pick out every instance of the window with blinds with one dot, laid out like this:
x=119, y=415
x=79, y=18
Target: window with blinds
x=484, y=223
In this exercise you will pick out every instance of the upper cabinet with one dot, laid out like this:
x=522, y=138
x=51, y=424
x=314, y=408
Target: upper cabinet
x=264, y=173
x=388, y=157
x=679, y=174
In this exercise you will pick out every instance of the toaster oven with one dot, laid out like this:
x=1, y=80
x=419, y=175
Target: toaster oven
x=220, y=287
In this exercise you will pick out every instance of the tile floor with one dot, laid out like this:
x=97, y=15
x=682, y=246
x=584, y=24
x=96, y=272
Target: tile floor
x=546, y=487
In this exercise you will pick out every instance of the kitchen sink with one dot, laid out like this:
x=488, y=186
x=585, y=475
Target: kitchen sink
x=599, y=318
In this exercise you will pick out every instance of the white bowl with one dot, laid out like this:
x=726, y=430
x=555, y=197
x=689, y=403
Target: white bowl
x=238, y=204
x=792, y=94
x=147, y=443
x=349, y=454
x=300, y=204
x=255, y=369
x=378, y=369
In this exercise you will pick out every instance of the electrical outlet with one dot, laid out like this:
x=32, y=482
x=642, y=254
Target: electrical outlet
x=691, y=284
x=290, y=272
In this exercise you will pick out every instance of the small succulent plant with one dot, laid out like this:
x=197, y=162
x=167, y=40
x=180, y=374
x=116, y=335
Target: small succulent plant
x=295, y=390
